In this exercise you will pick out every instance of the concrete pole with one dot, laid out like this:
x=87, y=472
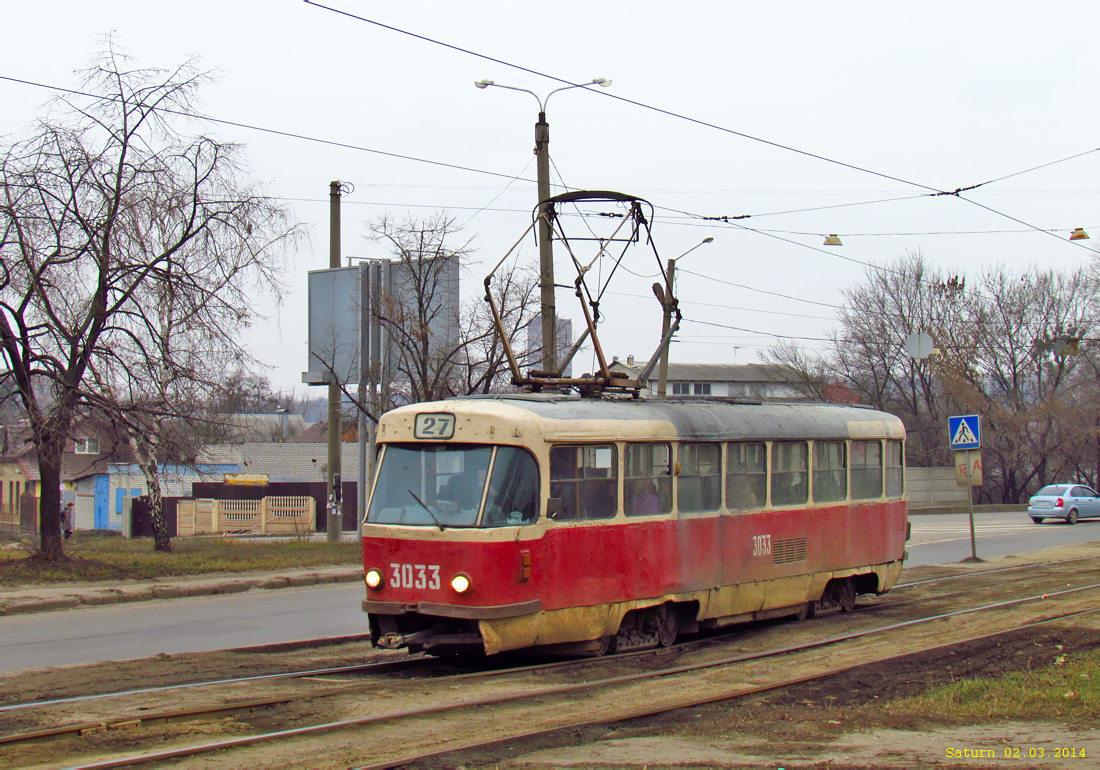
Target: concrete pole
x=334, y=524
x=662, y=370
x=546, y=248
x=364, y=371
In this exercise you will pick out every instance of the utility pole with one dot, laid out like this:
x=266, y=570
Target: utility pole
x=334, y=523
x=546, y=247
x=667, y=296
x=669, y=301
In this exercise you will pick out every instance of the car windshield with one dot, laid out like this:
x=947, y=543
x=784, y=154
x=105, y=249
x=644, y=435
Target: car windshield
x=1052, y=490
x=444, y=485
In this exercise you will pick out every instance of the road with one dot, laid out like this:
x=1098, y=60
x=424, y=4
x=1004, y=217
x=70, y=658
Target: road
x=141, y=629
x=945, y=538
x=122, y=631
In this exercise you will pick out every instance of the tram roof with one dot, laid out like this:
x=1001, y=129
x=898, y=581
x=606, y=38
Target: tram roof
x=700, y=418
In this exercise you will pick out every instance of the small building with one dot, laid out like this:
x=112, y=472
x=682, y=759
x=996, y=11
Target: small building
x=761, y=382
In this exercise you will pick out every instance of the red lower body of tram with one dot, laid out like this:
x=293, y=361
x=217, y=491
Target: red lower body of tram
x=623, y=584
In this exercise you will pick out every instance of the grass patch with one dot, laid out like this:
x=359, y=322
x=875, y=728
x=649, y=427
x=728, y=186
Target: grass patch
x=113, y=558
x=1069, y=689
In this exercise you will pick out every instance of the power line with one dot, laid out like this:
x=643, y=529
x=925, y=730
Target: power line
x=623, y=99
x=761, y=291
x=728, y=307
x=276, y=132
x=754, y=331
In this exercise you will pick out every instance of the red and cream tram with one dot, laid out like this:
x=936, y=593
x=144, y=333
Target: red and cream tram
x=578, y=525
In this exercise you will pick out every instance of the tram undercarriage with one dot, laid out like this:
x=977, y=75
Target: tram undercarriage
x=627, y=626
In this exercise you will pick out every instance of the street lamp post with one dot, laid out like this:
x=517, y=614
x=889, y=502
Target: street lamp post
x=546, y=248
x=668, y=300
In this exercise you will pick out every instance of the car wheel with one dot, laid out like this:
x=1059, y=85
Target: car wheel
x=1071, y=517
x=1037, y=519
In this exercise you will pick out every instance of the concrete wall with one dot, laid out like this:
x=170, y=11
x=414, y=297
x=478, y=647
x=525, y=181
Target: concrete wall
x=933, y=488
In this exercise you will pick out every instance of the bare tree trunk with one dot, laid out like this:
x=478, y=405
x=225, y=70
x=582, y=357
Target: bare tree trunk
x=162, y=541
x=49, y=501
x=147, y=461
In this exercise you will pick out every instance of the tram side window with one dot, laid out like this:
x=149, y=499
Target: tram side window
x=746, y=476
x=830, y=472
x=790, y=471
x=585, y=478
x=866, y=470
x=513, y=497
x=895, y=469
x=647, y=479
x=699, y=485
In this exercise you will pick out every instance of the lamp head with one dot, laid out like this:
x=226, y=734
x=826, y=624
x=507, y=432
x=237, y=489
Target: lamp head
x=602, y=82
x=708, y=239
x=483, y=83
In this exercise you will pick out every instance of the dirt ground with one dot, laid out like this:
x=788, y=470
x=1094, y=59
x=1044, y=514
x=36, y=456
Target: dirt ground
x=841, y=721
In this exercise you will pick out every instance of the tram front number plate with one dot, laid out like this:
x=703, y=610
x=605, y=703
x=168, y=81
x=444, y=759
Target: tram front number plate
x=440, y=425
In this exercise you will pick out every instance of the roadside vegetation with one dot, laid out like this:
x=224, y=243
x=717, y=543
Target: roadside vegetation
x=98, y=557
x=1067, y=689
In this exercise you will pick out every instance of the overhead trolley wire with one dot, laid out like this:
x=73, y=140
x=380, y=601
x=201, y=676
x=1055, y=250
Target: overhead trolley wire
x=616, y=97
x=933, y=191
x=277, y=132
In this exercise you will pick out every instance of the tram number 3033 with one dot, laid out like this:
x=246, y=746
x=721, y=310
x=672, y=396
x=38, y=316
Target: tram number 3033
x=414, y=575
x=761, y=545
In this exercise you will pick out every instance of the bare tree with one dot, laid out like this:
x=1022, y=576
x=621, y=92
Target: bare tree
x=485, y=365
x=422, y=314
x=439, y=348
x=130, y=255
x=994, y=357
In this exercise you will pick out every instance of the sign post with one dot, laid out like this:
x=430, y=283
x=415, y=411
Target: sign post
x=965, y=434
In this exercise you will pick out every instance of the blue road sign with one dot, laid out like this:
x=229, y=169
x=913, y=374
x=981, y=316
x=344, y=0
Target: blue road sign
x=965, y=431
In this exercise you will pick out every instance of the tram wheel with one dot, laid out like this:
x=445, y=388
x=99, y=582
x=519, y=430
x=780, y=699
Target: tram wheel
x=846, y=595
x=805, y=611
x=668, y=625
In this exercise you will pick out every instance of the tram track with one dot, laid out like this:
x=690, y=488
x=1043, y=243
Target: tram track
x=891, y=601
x=692, y=702
x=436, y=669
x=556, y=692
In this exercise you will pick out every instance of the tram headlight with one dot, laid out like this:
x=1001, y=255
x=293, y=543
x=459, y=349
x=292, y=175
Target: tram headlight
x=460, y=583
x=373, y=578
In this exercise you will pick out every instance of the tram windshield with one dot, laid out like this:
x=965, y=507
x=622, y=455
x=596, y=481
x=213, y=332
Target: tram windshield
x=451, y=485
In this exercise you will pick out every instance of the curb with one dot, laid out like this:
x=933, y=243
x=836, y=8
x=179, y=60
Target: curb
x=66, y=598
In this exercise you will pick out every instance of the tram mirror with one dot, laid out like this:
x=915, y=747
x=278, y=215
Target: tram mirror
x=553, y=507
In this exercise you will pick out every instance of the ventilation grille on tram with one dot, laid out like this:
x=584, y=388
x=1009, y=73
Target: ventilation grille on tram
x=787, y=551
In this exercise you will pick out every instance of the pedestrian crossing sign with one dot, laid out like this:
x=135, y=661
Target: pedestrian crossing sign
x=965, y=432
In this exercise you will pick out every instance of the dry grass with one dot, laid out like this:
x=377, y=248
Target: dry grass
x=90, y=557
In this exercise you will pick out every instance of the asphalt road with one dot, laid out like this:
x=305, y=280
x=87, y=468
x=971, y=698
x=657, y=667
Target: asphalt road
x=945, y=538
x=141, y=629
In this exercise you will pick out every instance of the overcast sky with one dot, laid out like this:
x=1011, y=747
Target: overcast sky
x=895, y=100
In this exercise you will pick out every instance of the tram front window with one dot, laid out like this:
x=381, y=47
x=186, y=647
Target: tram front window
x=444, y=486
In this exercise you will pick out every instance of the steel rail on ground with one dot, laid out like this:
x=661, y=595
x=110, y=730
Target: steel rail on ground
x=568, y=688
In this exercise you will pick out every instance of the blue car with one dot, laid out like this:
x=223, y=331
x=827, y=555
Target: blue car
x=1064, y=501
